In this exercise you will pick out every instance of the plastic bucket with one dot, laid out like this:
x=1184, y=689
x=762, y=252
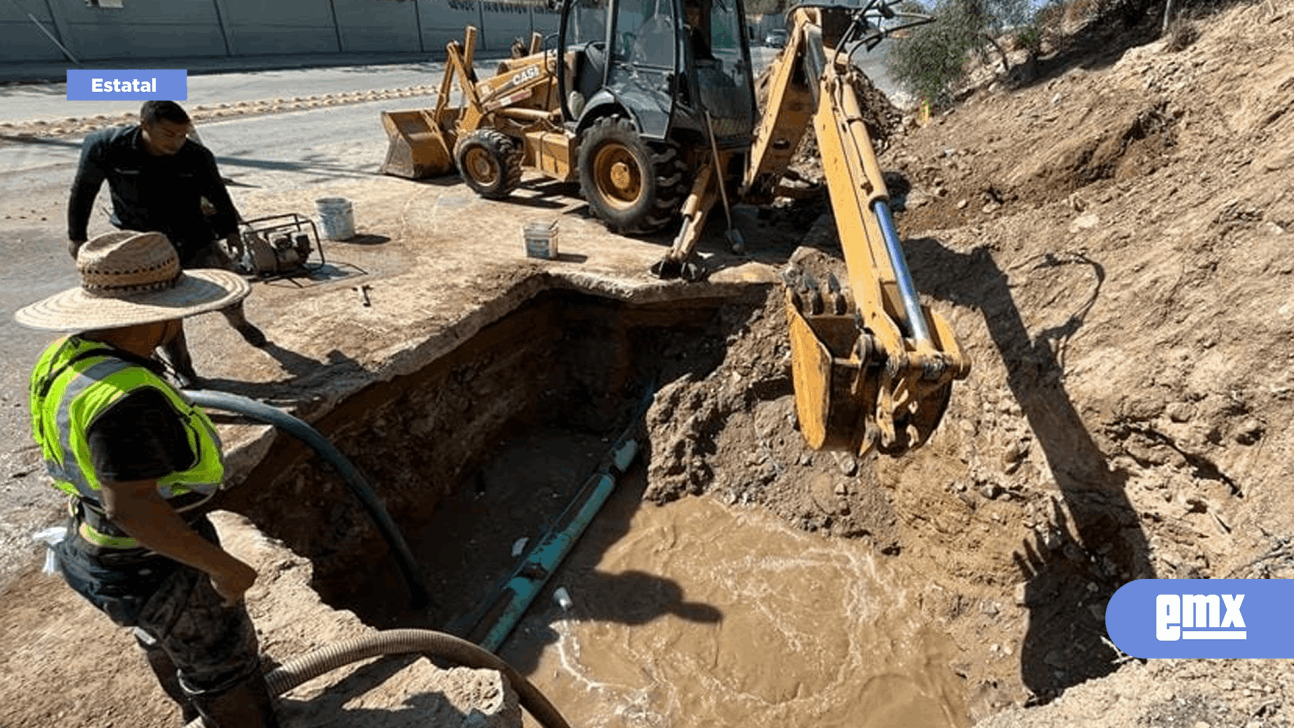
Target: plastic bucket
x=336, y=217
x=541, y=239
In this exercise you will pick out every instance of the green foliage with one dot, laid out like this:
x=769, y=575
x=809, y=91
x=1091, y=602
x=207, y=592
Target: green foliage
x=1030, y=38
x=929, y=61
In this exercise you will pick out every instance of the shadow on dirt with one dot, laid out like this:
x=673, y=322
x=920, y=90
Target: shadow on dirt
x=1073, y=570
x=295, y=393
x=318, y=164
x=415, y=709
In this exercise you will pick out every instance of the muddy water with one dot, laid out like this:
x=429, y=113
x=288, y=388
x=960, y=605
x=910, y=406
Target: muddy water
x=695, y=614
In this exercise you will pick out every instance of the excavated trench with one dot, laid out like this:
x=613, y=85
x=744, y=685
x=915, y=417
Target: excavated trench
x=564, y=369
x=728, y=616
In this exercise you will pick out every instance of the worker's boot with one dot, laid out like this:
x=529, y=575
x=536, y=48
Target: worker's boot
x=238, y=319
x=167, y=677
x=245, y=705
x=176, y=354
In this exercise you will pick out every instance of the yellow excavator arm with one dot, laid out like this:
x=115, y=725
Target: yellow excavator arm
x=872, y=366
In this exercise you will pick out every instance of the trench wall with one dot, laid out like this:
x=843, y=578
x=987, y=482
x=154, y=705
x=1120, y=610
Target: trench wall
x=175, y=30
x=565, y=358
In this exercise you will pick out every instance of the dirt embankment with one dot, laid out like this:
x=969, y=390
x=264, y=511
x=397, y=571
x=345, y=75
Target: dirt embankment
x=1113, y=243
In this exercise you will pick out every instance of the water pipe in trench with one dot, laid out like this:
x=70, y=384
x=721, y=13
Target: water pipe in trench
x=354, y=478
x=518, y=590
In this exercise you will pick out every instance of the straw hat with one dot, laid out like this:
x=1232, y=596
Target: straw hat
x=130, y=278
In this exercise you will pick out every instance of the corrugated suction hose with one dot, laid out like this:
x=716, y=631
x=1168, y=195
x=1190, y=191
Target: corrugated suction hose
x=428, y=643
x=351, y=475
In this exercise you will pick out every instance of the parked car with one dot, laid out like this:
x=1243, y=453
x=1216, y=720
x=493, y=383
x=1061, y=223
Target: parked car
x=775, y=39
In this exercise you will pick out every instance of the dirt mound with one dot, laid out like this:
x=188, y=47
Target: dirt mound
x=881, y=117
x=1113, y=245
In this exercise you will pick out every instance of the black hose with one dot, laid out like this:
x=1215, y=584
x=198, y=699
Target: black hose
x=409, y=641
x=354, y=478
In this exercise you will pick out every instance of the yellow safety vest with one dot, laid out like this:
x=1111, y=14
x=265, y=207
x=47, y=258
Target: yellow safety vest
x=74, y=382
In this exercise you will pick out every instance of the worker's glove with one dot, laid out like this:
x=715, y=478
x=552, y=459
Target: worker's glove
x=73, y=246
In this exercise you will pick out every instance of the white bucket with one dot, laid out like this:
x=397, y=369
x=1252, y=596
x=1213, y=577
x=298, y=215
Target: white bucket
x=541, y=239
x=336, y=217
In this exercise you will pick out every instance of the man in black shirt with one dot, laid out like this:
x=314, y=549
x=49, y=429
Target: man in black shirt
x=158, y=179
x=137, y=460
x=694, y=19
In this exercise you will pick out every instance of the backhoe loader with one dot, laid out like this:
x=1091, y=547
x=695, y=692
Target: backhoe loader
x=640, y=99
x=650, y=104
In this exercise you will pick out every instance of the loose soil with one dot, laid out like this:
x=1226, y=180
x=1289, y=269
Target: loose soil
x=1111, y=239
x=1110, y=236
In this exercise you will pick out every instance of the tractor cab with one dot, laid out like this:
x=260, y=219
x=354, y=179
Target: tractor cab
x=664, y=64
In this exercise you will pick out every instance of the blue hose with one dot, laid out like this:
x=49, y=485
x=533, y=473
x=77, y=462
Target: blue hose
x=352, y=475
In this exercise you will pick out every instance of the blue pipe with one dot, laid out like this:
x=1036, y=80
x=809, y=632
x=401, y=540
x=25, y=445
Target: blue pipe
x=907, y=291
x=352, y=475
x=552, y=549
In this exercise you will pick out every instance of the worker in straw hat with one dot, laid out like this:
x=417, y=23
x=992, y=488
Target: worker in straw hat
x=137, y=460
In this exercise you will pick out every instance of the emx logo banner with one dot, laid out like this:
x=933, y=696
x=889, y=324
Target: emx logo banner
x=1198, y=618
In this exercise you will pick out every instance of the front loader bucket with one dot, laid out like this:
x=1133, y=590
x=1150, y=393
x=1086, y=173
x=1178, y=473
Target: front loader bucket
x=418, y=148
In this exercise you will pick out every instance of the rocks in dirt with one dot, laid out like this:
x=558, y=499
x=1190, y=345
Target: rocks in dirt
x=1249, y=431
x=1013, y=454
x=1021, y=594
x=1179, y=412
x=688, y=417
x=847, y=463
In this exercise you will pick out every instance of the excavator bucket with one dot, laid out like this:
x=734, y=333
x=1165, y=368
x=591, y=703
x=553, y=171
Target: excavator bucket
x=852, y=392
x=418, y=148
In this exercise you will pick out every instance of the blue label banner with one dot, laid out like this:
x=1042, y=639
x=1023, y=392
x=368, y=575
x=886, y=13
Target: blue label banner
x=140, y=85
x=1203, y=618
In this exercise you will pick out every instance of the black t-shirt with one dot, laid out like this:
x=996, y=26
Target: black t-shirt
x=161, y=193
x=140, y=437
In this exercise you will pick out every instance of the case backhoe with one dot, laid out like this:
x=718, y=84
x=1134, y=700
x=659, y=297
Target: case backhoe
x=650, y=104
x=632, y=101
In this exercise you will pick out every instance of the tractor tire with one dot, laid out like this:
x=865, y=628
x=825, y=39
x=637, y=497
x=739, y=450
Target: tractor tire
x=489, y=163
x=630, y=186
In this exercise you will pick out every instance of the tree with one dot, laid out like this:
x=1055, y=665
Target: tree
x=929, y=61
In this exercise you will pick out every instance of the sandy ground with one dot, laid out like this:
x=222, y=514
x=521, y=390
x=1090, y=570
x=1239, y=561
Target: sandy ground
x=1110, y=236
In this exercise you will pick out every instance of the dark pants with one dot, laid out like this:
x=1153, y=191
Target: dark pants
x=204, y=653
x=209, y=255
